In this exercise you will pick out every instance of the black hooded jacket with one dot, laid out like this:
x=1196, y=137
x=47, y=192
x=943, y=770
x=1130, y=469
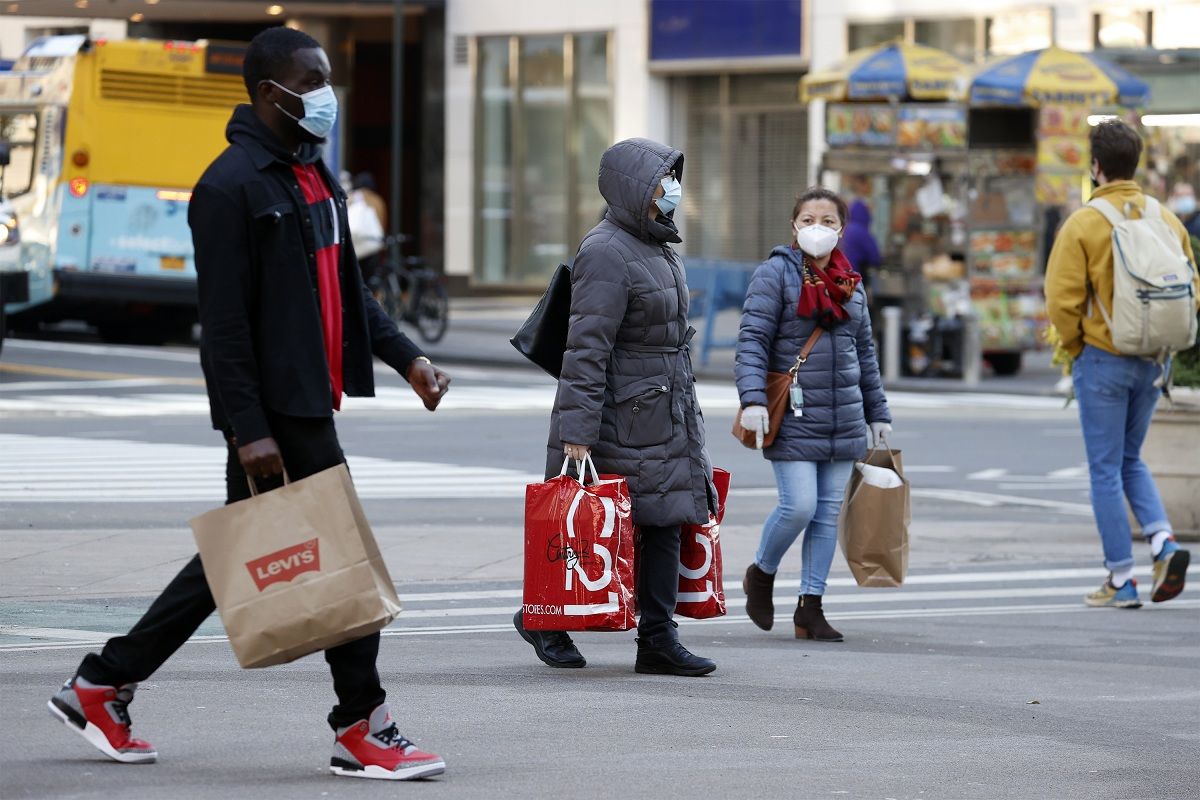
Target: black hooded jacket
x=261, y=343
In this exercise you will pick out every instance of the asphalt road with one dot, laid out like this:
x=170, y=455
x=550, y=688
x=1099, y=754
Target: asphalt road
x=983, y=677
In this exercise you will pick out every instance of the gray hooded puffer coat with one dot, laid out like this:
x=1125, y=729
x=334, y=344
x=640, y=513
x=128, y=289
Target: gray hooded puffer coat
x=626, y=387
x=840, y=380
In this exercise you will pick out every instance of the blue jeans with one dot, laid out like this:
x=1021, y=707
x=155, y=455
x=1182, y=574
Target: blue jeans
x=810, y=497
x=1116, y=396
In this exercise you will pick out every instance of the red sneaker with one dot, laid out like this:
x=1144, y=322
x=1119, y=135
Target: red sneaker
x=373, y=748
x=101, y=715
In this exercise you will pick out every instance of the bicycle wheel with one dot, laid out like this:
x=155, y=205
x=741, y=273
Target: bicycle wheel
x=432, y=311
x=386, y=289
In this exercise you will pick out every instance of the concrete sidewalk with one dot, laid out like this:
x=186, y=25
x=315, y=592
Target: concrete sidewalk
x=480, y=329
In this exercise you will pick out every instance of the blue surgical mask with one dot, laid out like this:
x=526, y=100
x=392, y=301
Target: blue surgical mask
x=320, y=110
x=672, y=191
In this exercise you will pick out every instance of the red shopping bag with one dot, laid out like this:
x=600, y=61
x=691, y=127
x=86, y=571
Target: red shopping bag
x=701, y=593
x=578, y=554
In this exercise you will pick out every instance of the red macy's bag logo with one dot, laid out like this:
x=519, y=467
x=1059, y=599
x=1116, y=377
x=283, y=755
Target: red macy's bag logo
x=284, y=565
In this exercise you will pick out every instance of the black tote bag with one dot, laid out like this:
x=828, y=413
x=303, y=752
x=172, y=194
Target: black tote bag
x=543, y=336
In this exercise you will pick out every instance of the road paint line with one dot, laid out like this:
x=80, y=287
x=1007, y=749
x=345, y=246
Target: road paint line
x=60, y=386
x=149, y=352
x=991, y=500
x=928, y=579
x=987, y=474
x=975, y=611
x=49, y=633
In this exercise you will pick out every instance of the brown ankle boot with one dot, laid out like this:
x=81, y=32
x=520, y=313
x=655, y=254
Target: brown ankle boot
x=760, y=605
x=810, y=621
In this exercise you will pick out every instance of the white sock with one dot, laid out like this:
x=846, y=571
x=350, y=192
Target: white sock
x=1157, y=541
x=1120, y=577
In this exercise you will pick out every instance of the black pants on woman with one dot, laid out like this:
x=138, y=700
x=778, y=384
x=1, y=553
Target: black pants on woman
x=308, y=446
x=657, y=583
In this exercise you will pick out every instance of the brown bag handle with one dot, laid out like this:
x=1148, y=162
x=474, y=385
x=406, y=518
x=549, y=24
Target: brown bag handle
x=806, y=351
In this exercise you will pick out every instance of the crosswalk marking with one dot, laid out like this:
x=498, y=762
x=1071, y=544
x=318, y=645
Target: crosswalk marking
x=496, y=397
x=53, y=469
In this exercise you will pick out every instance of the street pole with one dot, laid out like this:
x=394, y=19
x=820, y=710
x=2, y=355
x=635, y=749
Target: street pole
x=397, y=122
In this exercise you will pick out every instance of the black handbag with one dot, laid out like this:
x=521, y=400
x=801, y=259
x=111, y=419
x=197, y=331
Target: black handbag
x=542, y=338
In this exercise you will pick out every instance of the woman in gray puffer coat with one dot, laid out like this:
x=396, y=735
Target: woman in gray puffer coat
x=798, y=290
x=626, y=394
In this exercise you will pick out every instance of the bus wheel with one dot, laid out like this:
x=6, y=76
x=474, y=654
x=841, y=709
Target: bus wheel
x=146, y=333
x=1004, y=363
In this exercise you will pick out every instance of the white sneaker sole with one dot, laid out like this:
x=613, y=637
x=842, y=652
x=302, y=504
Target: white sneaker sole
x=428, y=770
x=97, y=739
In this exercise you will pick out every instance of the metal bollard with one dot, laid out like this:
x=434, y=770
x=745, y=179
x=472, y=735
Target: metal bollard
x=972, y=353
x=892, y=320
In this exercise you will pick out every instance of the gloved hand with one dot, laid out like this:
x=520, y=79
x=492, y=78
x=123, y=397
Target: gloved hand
x=756, y=419
x=880, y=431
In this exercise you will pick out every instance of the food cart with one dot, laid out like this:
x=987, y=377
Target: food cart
x=1028, y=161
x=895, y=140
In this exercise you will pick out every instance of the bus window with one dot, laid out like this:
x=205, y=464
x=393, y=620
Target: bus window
x=19, y=130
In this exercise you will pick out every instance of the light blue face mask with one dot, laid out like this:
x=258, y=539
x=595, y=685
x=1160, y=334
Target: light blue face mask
x=320, y=110
x=672, y=191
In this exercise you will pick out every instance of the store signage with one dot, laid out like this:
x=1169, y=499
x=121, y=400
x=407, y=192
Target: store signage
x=686, y=30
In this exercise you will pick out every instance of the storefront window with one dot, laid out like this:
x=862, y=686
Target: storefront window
x=867, y=34
x=956, y=36
x=1122, y=27
x=1010, y=33
x=544, y=112
x=745, y=138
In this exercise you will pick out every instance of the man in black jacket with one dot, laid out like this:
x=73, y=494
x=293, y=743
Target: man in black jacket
x=287, y=329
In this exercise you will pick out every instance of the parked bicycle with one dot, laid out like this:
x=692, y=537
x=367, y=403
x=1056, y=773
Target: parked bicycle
x=409, y=291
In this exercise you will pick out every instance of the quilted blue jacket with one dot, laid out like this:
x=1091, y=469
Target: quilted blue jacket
x=842, y=388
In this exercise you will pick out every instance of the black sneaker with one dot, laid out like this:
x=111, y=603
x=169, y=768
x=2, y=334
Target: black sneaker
x=554, y=648
x=671, y=658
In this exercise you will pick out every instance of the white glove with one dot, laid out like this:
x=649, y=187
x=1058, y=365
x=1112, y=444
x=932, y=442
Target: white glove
x=756, y=419
x=880, y=431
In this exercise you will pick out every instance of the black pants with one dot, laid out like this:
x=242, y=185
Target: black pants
x=308, y=446
x=657, y=583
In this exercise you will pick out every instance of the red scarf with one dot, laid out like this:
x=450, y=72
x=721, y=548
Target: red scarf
x=825, y=292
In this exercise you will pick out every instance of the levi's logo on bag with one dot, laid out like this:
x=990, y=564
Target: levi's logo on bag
x=284, y=565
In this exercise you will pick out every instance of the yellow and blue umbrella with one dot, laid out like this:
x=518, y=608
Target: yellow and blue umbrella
x=896, y=70
x=1057, y=76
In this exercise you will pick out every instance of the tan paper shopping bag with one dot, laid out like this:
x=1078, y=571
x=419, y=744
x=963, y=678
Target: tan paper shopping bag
x=295, y=570
x=873, y=525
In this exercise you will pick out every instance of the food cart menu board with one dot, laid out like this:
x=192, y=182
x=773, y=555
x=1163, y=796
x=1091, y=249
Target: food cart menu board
x=1009, y=317
x=1062, y=153
x=931, y=127
x=850, y=124
x=1005, y=255
x=914, y=126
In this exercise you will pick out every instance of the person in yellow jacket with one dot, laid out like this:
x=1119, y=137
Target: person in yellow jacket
x=1116, y=393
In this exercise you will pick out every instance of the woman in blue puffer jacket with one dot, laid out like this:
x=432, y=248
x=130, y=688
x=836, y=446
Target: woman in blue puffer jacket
x=796, y=290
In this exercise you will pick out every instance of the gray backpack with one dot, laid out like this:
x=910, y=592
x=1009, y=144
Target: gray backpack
x=1154, y=305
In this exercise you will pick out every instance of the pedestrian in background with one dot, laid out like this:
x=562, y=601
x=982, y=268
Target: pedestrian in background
x=858, y=244
x=626, y=394
x=798, y=289
x=1182, y=203
x=283, y=338
x=1116, y=393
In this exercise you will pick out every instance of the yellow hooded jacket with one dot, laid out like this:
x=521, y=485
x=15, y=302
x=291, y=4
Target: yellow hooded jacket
x=1082, y=254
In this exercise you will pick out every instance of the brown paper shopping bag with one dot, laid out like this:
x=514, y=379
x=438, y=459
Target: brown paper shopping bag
x=295, y=570
x=873, y=525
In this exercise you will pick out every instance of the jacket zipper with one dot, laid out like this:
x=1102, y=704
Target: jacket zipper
x=833, y=384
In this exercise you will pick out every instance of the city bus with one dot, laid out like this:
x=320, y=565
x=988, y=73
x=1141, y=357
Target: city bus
x=104, y=141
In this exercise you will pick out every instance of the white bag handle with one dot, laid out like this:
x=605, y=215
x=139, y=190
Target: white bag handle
x=581, y=467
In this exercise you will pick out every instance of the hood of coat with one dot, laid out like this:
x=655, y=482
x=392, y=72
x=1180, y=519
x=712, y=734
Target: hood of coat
x=630, y=171
x=246, y=129
x=860, y=213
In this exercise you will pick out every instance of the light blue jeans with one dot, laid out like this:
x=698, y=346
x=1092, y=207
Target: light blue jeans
x=810, y=497
x=1116, y=396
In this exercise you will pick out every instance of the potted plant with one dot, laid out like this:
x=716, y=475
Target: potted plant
x=1173, y=443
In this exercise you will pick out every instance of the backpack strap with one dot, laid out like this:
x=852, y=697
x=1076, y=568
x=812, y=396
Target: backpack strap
x=1153, y=209
x=1110, y=212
